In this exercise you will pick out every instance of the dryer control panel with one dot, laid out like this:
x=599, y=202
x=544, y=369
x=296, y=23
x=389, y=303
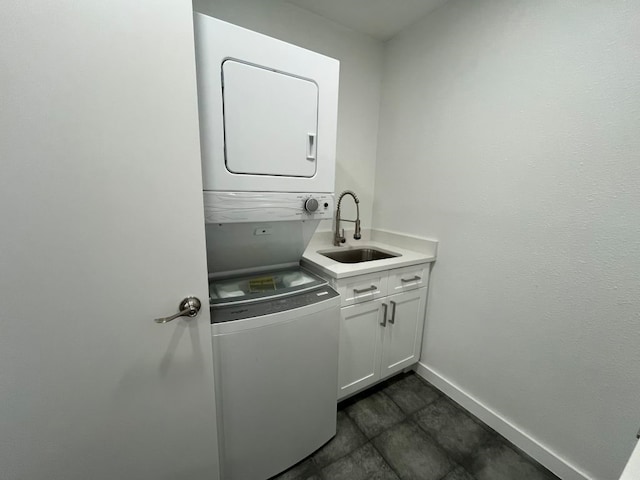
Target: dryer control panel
x=236, y=207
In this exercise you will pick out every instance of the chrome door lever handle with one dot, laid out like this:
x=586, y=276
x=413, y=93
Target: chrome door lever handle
x=189, y=307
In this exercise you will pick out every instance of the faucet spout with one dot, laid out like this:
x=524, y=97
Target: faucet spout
x=338, y=234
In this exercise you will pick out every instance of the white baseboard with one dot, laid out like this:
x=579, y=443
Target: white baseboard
x=533, y=448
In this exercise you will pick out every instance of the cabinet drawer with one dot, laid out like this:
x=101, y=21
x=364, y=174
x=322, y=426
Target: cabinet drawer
x=408, y=278
x=362, y=288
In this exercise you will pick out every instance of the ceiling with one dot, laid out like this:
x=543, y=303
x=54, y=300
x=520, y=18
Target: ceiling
x=381, y=19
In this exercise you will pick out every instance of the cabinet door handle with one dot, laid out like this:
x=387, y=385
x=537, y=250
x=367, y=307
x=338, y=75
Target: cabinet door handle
x=393, y=312
x=384, y=315
x=372, y=289
x=414, y=279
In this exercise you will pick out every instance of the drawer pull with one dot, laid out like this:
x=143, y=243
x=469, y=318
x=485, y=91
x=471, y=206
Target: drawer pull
x=371, y=289
x=417, y=278
x=393, y=312
x=384, y=316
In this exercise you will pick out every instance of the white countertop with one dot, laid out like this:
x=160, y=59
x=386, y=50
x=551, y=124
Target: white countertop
x=323, y=241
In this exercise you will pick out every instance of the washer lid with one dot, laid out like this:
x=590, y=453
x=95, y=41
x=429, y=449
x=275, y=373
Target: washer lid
x=262, y=285
x=268, y=306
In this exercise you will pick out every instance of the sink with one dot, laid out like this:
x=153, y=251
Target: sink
x=357, y=255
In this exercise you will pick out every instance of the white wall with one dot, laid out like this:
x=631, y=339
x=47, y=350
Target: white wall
x=360, y=77
x=509, y=132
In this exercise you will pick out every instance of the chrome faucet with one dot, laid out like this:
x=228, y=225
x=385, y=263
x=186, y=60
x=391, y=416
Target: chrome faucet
x=338, y=236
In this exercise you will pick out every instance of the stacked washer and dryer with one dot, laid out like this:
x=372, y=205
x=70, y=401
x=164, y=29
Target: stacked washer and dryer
x=268, y=113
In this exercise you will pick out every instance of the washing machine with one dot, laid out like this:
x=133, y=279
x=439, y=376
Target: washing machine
x=275, y=344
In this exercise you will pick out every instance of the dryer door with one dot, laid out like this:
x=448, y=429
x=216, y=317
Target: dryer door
x=270, y=121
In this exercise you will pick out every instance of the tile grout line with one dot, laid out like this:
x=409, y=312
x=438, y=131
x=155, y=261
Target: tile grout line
x=407, y=417
x=370, y=440
x=397, y=474
x=349, y=452
x=453, y=461
x=437, y=442
x=411, y=418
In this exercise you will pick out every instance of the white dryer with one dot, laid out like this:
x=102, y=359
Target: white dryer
x=268, y=112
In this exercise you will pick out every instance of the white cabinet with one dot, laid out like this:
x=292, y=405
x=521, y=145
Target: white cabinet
x=380, y=333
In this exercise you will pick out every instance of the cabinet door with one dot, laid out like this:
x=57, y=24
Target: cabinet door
x=270, y=121
x=360, y=346
x=403, y=334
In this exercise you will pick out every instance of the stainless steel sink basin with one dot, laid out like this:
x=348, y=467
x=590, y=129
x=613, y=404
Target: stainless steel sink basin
x=357, y=255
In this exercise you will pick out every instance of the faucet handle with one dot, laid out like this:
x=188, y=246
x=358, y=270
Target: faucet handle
x=342, y=238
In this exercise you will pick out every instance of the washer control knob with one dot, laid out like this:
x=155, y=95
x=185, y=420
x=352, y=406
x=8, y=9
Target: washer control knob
x=311, y=205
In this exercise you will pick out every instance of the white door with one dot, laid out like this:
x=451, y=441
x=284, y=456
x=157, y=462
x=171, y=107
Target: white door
x=632, y=469
x=360, y=346
x=102, y=231
x=270, y=121
x=403, y=334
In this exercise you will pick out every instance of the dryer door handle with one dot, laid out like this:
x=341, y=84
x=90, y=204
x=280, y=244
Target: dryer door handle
x=311, y=146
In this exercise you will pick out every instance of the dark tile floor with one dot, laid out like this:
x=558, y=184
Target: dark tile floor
x=405, y=429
